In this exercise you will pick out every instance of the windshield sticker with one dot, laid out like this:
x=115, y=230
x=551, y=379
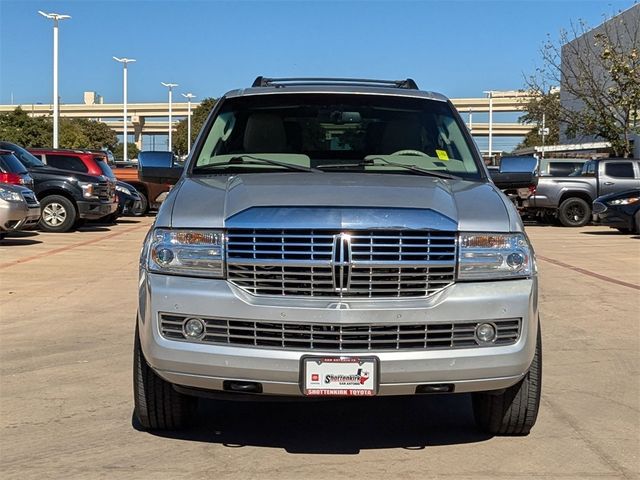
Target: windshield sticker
x=442, y=155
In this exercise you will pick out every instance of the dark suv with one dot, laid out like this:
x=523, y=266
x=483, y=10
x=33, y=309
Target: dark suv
x=66, y=196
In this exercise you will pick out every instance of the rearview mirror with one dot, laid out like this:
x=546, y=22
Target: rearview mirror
x=515, y=172
x=158, y=167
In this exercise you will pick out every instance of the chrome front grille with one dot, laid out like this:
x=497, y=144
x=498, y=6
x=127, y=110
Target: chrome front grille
x=358, y=263
x=335, y=337
x=105, y=190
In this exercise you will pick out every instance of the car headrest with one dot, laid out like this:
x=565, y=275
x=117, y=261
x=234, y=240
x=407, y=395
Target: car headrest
x=265, y=133
x=401, y=135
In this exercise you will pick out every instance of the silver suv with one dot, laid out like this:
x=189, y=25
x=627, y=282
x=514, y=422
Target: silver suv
x=332, y=237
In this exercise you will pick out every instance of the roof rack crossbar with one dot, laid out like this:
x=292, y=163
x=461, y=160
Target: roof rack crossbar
x=358, y=82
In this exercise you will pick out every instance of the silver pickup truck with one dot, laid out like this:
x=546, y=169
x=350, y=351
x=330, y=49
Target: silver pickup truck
x=331, y=238
x=569, y=198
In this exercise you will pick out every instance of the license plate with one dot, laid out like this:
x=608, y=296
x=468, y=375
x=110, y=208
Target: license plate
x=339, y=376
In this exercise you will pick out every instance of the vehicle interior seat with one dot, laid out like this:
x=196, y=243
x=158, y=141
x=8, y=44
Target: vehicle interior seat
x=265, y=133
x=401, y=134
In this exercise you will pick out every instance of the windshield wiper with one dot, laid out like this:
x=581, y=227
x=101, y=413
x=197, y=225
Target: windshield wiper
x=413, y=168
x=242, y=160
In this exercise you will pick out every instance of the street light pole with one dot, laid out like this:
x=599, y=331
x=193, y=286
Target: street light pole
x=188, y=96
x=56, y=106
x=170, y=87
x=124, y=62
x=490, y=93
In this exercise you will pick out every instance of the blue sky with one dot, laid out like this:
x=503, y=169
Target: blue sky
x=459, y=48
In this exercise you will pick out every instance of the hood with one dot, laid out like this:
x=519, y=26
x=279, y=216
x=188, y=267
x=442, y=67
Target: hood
x=212, y=202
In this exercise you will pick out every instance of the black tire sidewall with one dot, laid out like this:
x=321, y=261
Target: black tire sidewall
x=564, y=217
x=69, y=221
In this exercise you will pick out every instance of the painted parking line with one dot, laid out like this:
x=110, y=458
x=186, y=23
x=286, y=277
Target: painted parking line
x=70, y=247
x=584, y=271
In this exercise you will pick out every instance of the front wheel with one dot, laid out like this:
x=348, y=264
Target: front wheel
x=514, y=411
x=574, y=212
x=58, y=214
x=157, y=405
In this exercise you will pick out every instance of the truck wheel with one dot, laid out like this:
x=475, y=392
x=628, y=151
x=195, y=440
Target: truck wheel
x=58, y=214
x=514, y=411
x=574, y=212
x=636, y=220
x=157, y=405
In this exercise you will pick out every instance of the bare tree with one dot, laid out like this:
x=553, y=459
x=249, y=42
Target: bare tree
x=598, y=71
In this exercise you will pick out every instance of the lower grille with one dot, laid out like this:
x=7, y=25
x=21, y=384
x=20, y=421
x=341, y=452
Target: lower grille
x=345, y=337
x=30, y=199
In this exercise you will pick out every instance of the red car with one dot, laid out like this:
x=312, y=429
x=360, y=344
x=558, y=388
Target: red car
x=93, y=163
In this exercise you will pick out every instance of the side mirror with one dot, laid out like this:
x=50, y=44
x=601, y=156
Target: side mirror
x=515, y=172
x=158, y=167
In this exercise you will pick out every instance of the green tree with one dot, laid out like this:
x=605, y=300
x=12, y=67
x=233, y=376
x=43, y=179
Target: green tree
x=98, y=135
x=198, y=117
x=538, y=106
x=132, y=150
x=18, y=127
x=598, y=72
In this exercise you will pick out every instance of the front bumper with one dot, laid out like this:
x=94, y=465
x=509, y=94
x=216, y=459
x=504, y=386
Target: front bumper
x=94, y=209
x=206, y=366
x=614, y=217
x=18, y=215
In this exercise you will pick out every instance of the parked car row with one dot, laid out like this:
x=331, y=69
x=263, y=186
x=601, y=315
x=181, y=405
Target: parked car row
x=575, y=191
x=67, y=186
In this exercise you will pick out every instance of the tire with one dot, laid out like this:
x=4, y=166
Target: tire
x=58, y=214
x=2, y=235
x=636, y=220
x=144, y=206
x=157, y=406
x=513, y=412
x=144, y=209
x=574, y=212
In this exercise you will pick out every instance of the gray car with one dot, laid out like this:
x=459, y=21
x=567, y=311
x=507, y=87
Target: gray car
x=332, y=238
x=19, y=208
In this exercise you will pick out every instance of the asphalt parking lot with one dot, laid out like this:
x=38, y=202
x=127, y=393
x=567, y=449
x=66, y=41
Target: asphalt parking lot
x=67, y=313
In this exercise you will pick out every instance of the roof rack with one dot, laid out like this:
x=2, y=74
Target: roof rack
x=409, y=83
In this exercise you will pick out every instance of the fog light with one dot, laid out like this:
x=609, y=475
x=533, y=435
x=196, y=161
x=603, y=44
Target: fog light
x=515, y=260
x=485, y=333
x=164, y=256
x=193, y=328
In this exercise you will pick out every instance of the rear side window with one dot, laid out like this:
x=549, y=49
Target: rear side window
x=564, y=169
x=619, y=169
x=66, y=162
x=104, y=166
x=10, y=164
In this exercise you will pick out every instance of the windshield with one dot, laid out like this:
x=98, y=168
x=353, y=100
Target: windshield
x=337, y=132
x=25, y=157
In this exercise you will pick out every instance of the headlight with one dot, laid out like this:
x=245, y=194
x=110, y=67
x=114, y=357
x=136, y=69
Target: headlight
x=88, y=189
x=124, y=190
x=624, y=201
x=196, y=253
x=489, y=256
x=10, y=195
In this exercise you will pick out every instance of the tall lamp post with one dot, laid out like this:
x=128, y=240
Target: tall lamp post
x=188, y=96
x=56, y=107
x=124, y=62
x=490, y=94
x=170, y=87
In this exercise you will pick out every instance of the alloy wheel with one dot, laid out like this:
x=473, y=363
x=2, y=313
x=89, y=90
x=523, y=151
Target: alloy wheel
x=54, y=214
